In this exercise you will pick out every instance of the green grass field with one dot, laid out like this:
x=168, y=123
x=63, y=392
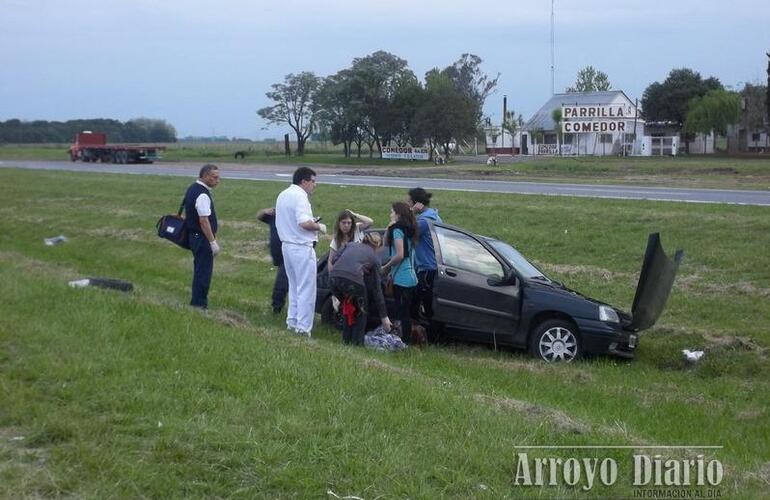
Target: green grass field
x=105, y=394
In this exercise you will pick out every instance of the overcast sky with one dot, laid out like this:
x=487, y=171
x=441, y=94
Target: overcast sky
x=205, y=66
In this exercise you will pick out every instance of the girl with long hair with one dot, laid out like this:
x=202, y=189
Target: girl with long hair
x=400, y=238
x=349, y=227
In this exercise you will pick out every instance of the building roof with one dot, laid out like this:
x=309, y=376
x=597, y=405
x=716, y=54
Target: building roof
x=542, y=118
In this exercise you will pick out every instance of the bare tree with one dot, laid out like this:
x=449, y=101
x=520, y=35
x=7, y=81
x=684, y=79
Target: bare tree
x=294, y=105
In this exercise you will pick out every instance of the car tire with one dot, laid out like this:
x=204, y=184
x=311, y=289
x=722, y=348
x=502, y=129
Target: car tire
x=556, y=341
x=329, y=316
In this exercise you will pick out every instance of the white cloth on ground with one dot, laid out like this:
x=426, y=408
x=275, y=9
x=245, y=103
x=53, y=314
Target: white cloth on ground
x=381, y=340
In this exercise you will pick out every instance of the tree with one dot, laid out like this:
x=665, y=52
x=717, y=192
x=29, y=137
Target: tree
x=375, y=81
x=149, y=129
x=470, y=81
x=556, y=116
x=337, y=111
x=400, y=114
x=294, y=105
x=713, y=111
x=512, y=122
x=754, y=97
x=41, y=131
x=589, y=79
x=445, y=113
x=669, y=101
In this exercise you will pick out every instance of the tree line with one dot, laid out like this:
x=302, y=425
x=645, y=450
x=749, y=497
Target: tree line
x=41, y=131
x=379, y=101
x=702, y=105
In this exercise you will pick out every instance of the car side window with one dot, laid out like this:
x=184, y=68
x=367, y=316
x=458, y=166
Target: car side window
x=463, y=252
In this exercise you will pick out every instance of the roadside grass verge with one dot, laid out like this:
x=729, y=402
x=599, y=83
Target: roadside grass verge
x=687, y=171
x=137, y=395
x=749, y=172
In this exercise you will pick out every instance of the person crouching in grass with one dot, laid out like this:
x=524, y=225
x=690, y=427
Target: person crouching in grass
x=354, y=277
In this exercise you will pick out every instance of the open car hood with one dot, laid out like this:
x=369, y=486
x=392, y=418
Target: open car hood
x=655, y=282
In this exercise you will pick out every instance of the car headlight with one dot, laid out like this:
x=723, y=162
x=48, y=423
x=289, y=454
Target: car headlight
x=606, y=313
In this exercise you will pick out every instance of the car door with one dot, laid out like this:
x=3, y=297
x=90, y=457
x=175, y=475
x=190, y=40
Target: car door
x=462, y=297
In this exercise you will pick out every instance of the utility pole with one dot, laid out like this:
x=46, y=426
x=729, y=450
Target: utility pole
x=502, y=131
x=553, y=86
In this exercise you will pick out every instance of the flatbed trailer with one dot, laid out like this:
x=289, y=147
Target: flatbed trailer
x=93, y=147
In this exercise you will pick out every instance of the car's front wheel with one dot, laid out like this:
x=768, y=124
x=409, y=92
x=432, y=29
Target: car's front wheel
x=555, y=340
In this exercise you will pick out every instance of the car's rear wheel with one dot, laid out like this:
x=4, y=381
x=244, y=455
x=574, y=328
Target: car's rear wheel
x=555, y=341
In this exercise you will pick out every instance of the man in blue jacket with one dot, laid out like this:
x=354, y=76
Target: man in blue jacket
x=425, y=255
x=201, y=222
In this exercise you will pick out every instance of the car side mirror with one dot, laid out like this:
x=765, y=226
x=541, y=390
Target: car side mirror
x=509, y=278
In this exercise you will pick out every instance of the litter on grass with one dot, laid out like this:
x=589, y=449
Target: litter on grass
x=692, y=356
x=50, y=242
x=109, y=283
x=383, y=341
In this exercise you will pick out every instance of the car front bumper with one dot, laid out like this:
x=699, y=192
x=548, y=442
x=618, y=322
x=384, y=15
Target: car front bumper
x=600, y=337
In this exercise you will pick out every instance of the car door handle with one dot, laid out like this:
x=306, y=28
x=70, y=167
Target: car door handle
x=450, y=272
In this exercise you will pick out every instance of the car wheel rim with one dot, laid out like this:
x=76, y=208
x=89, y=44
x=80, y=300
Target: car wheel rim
x=558, y=344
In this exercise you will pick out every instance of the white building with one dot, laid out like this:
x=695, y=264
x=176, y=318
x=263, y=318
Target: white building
x=593, y=123
x=500, y=142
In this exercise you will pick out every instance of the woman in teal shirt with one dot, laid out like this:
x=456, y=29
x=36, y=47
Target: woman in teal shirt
x=400, y=238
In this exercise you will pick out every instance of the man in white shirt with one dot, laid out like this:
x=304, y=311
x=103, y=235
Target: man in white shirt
x=298, y=231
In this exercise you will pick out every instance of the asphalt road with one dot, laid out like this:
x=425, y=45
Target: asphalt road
x=282, y=173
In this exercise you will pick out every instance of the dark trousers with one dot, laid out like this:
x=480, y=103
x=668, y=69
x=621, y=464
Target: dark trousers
x=203, y=268
x=280, y=288
x=343, y=288
x=403, y=298
x=424, y=295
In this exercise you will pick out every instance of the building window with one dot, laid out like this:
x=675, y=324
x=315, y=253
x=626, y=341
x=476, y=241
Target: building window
x=566, y=138
x=755, y=137
x=606, y=138
x=549, y=139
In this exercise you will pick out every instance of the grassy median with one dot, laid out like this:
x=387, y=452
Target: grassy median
x=136, y=395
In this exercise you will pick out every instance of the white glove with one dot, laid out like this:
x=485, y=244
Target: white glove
x=214, y=247
x=321, y=227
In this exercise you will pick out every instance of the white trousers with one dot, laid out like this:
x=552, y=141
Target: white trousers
x=300, y=264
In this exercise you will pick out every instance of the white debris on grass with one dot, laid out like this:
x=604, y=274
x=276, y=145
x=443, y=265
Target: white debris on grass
x=348, y=497
x=80, y=283
x=49, y=242
x=692, y=356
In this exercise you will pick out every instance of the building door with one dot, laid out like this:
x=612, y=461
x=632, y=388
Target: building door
x=524, y=149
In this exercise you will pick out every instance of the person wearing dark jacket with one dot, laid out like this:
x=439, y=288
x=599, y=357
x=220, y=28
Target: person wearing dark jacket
x=281, y=285
x=355, y=277
x=201, y=222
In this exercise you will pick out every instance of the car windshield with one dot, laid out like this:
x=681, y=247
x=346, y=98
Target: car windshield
x=522, y=265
